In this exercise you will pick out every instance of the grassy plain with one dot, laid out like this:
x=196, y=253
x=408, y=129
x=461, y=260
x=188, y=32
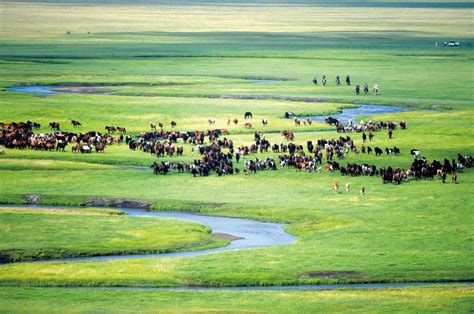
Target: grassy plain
x=35, y=234
x=413, y=300
x=189, y=63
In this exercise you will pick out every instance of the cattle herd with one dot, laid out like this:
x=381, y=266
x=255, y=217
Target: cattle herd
x=221, y=156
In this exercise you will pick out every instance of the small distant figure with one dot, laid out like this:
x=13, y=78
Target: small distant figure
x=443, y=176
x=348, y=80
x=335, y=187
x=228, y=121
x=366, y=88
x=338, y=80
x=315, y=80
x=357, y=89
x=454, y=178
x=390, y=133
x=348, y=187
x=362, y=190
x=364, y=137
x=376, y=89
x=436, y=44
x=371, y=136
x=324, y=80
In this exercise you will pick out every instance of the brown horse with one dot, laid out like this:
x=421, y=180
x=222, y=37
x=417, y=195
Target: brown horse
x=54, y=126
x=99, y=148
x=288, y=135
x=121, y=129
x=75, y=123
x=110, y=129
x=335, y=187
x=153, y=126
x=173, y=124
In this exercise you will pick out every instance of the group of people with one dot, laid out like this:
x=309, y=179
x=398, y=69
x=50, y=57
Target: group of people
x=366, y=89
x=324, y=80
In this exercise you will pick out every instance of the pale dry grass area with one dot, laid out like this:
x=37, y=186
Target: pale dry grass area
x=32, y=20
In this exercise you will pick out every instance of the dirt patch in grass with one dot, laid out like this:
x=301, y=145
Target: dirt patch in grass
x=32, y=199
x=225, y=236
x=331, y=274
x=116, y=202
x=211, y=205
x=82, y=90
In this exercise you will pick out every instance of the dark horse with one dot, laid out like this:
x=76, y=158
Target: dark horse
x=248, y=115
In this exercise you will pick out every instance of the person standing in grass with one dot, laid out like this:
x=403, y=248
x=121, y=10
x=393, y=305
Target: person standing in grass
x=338, y=80
x=366, y=88
x=315, y=80
x=357, y=89
x=348, y=80
x=324, y=80
x=376, y=89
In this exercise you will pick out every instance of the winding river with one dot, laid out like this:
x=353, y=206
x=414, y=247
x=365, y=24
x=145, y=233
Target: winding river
x=344, y=116
x=251, y=234
x=248, y=233
x=362, y=110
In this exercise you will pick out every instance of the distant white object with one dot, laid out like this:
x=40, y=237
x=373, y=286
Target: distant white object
x=452, y=43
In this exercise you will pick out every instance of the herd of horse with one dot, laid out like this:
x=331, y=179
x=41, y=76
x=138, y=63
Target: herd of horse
x=222, y=156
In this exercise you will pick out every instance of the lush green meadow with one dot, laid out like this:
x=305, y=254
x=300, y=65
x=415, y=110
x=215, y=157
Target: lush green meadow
x=161, y=62
x=411, y=300
x=35, y=234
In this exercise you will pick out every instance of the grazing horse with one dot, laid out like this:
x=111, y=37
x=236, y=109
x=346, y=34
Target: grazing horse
x=153, y=126
x=264, y=121
x=289, y=114
x=335, y=187
x=211, y=121
x=99, y=148
x=110, y=129
x=362, y=190
x=121, y=129
x=75, y=123
x=309, y=121
x=378, y=151
x=54, y=126
x=297, y=121
x=160, y=125
x=248, y=125
x=288, y=135
x=331, y=121
x=173, y=124
x=248, y=115
x=403, y=125
x=348, y=187
x=415, y=153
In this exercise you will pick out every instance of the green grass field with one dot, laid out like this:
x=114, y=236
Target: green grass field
x=413, y=300
x=33, y=234
x=167, y=61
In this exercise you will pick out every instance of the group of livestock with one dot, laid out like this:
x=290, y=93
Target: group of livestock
x=21, y=135
x=295, y=156
x=221, y=156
